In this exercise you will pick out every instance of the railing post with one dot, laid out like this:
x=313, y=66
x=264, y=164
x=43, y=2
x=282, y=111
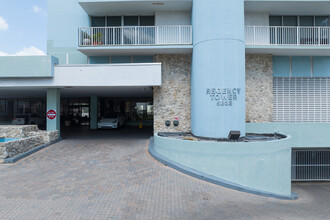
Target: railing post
x=319, y=33
x=254, y=35
x=157, y=35
x=191, y=34
x=122, y=36
x=135, y=36
x=92, y=36
x=105, y=36
x=275, y=35
x=180, y=35
x=79, y=37
x=298, y=36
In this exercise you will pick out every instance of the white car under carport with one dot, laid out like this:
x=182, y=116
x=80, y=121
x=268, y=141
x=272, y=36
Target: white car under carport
x=111, y=120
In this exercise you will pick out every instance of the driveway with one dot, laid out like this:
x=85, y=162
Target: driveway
x=110, y=175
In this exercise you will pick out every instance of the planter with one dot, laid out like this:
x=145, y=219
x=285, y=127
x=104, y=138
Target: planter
x=86, y=41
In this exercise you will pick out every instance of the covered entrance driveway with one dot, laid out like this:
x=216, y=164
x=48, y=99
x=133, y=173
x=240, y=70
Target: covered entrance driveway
x=77, y=108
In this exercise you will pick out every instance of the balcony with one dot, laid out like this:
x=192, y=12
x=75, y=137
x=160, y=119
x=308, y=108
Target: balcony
x=283, y=40
x=94, y=40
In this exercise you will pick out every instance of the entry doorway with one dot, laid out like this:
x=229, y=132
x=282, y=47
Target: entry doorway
x=75, y=112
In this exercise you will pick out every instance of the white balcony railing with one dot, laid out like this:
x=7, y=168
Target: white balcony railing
x=287, y=36
x=134, y=36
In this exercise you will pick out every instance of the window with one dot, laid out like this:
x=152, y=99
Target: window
x=290, y=21
x=306, y=21
x=98, y=21
x=115, y=21
x=321, y=21
x=275, y=21
x=131, y=20
x=147, y=20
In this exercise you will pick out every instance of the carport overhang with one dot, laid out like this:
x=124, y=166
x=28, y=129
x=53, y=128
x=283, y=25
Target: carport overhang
x=107, y=75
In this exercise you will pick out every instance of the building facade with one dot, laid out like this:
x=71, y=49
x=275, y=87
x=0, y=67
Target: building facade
x=214, y=66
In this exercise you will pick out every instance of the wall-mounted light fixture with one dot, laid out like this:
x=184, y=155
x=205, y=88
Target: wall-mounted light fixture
x=234, y=135
x=168, y=123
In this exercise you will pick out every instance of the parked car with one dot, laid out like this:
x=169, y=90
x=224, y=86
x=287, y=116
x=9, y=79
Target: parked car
x=20, y=120
x=33, y=119
x=111, y=120
x=36, y=119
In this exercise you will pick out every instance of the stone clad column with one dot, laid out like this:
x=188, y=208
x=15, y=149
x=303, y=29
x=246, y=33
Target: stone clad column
x=218, y=68
x=93, y=112
x=53, y=103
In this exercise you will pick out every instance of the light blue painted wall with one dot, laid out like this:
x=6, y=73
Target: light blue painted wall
x=53, y=103
x=27, y=66
x=281, y=66
x=264, y=166
x=321, y=66
x=303, y=135
x=218, y=63
x=301, y=66
x=64, y=19
x=259, y=166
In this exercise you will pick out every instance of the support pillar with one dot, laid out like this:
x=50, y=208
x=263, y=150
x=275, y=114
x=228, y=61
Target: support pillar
x=53, y=103
x=93, y=110
x=218, y=68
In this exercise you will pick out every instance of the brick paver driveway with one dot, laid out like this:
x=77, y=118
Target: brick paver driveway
x=109, y=175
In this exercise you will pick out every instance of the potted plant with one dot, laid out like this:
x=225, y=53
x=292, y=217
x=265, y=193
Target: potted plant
x=97, y=38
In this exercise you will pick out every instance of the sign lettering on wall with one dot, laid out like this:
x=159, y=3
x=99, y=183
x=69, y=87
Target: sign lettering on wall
x=224, y=96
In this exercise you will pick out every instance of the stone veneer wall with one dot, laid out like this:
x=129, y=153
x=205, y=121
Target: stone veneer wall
x=259, y=88
x=29, y=137
x=173, y=98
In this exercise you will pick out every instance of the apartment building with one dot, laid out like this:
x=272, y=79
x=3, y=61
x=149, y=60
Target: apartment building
x=213, y=66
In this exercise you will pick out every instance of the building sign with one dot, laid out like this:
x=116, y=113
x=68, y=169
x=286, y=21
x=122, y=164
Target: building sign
x=224, y=96
x=51, y=114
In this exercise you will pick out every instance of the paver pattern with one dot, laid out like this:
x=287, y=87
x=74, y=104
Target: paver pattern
x=110, y=175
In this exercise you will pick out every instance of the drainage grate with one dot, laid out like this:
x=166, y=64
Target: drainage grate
x=312, y=164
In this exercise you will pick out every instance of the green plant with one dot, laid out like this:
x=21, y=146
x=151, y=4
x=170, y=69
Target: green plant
x=97, y=38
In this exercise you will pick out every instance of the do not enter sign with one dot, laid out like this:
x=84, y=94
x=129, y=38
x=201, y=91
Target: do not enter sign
x=51, y=114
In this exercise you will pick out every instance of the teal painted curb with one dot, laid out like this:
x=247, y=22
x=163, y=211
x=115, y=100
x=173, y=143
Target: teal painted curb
x=28, y=153
x=211, y=179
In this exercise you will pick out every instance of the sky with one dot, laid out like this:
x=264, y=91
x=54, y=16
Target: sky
x=23, y=27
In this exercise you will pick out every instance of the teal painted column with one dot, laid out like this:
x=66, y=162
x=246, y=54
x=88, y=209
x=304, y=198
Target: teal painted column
x=93, y=110
x=218, y=68
x=53, y=103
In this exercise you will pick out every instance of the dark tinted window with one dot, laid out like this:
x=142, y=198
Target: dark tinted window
x=275, y=20
x=98, y=21
x=147, y=21
x=131, y=21
x=114, y=21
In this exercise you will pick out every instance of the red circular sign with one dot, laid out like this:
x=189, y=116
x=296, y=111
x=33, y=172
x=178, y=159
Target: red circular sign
x=51, y=114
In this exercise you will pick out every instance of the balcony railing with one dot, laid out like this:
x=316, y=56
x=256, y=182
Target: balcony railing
x=287, y=36
x=135, y=36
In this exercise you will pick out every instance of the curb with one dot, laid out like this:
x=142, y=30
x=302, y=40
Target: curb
x=28, y=153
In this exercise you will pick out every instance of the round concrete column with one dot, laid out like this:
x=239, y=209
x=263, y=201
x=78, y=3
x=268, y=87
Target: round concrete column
x=218, y=68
